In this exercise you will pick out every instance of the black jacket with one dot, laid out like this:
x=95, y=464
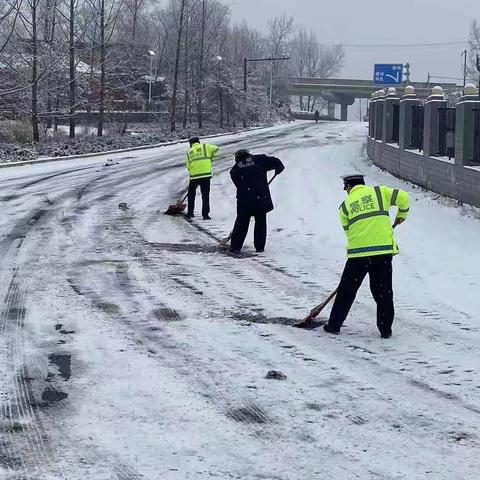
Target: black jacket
x=250, y=177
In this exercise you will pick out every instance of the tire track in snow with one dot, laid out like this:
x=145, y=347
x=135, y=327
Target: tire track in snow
x=138, y=317
x=27, y=454
x=18, y=400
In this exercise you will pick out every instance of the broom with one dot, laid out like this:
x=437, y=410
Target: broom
x=177, y=208
x=308, y=322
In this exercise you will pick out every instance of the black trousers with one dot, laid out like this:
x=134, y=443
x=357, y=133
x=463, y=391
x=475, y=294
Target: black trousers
x=379, y=269
x=204, y=184
x=240, y=229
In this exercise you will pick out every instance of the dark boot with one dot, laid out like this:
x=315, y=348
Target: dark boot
x=331, y=330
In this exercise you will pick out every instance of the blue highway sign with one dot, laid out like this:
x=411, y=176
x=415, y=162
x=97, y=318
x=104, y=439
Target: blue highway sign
x=388, y=74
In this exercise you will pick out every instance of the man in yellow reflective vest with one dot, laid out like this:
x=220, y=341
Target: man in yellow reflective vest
x=199, y=164
x=371, y=245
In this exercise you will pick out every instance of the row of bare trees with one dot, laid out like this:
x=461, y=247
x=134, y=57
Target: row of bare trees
x=58, y=57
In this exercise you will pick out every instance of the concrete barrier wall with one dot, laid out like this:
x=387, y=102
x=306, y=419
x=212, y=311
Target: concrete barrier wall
x=437, y=174
x=458, y=177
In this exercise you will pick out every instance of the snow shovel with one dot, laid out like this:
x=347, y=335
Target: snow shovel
x=177, y=208
x=224, y=241
x=308, y=323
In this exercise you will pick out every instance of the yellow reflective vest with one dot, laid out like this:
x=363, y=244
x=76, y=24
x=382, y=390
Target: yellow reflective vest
x=366, y=221
x=199, y=160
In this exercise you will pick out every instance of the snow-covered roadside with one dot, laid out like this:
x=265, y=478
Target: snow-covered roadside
x=59, y=149
x=168, y=339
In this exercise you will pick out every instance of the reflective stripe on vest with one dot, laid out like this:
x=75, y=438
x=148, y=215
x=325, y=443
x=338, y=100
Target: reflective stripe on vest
x=200, y=175
x=395, y=196
x=377, y=248
x=363, y=216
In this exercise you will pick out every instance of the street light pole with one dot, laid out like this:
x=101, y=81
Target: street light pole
x=245, y=60
x=271, y=91
x=152, y=54
x=219, y=60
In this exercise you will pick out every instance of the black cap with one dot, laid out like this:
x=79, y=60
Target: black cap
x=242, y=154
x=194, y=140
x=352, y=177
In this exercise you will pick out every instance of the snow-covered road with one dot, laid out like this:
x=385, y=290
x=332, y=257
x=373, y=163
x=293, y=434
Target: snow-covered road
x=131, y=347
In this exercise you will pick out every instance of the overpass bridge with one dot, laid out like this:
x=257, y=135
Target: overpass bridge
x=346, y=91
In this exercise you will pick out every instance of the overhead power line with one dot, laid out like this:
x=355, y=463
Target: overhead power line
x=404, y=45
x=446, y=78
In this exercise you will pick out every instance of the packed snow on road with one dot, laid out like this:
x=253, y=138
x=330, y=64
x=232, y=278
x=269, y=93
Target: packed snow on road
x=133, y=347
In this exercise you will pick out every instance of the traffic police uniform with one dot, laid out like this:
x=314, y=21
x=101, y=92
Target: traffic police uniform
x=249, y=175
x=199, y=164
x=371, y=245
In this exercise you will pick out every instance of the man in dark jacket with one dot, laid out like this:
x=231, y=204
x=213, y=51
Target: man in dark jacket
x=249, y=174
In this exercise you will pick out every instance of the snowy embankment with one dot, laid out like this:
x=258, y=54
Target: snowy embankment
x=86, y=142
x=133, y=348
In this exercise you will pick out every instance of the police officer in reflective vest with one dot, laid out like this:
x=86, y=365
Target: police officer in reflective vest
x=249, y=174
x=199, y=164
x=371, y=246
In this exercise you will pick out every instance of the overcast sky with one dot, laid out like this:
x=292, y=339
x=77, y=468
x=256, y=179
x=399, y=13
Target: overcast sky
x=361, y=22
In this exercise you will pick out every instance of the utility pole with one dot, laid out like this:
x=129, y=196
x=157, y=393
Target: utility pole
x=407, y=73
x=464, y=54
x=245, y=74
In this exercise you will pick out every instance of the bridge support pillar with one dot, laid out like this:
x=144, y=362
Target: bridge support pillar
x=331, y=109
x=344, y=112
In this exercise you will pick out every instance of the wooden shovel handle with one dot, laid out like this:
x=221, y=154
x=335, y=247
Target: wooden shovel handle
x=322, y=305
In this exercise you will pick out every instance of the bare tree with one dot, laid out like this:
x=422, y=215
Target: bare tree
x=474, y=48
x=179, y=31
x=104, y=15
x=72, y=97
x=201, y=62
x=133, y=9
x=61, y=54
x=186, y=81
x=281, y=28
x=26, y=50
x=310, y=59
x=9, y=12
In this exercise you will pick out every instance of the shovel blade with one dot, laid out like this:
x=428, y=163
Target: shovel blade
x=224, y=241
x=309, y=324
x=176, y=209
